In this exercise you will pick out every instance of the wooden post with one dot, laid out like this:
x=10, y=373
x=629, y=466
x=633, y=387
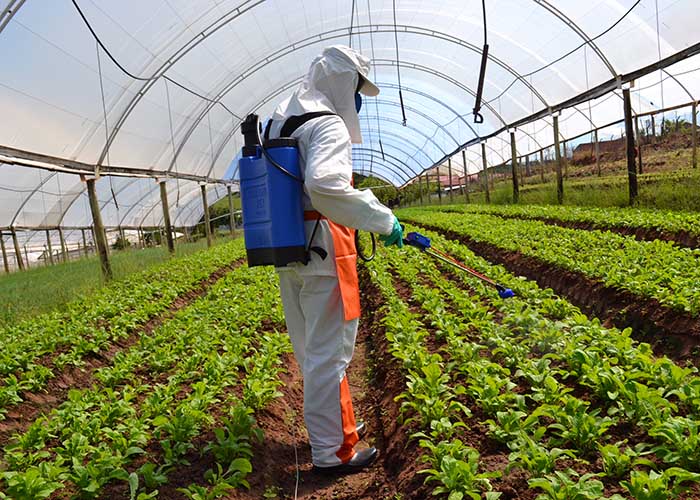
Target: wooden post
x=439, y=186
x=64, y=249
x=597, y=152
x=420, y=189
x=5, y=262
x=542, y=165
x=639, y=143
x=50, y=247
x=514, y=168
x=557, y=152
x=653, y=126
x=466, y=176
x=694, y=134
x=26, y=255
x=231, y=219
x=485, y=164
x=85, y=246
x=18, y=252
x=166, y=217
x=207, y=226
x=631, y=163
x=449, y=172
x=99, y=231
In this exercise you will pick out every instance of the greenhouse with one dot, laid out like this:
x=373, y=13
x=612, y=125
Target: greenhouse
x=502, y=245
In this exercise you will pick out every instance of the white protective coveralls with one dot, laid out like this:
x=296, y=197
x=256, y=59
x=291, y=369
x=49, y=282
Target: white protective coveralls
x=321, y=299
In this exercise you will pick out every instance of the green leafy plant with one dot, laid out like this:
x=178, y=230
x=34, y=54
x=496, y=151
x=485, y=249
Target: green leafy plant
x=561, y=486
x=665, y=485
x=617, y=462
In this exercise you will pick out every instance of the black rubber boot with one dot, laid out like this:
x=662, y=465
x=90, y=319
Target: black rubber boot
x=363, y=458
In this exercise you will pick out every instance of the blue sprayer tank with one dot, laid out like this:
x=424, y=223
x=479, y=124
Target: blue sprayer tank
x=273, y=214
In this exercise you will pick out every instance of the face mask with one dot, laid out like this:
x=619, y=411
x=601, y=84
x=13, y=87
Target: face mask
x=358, y=101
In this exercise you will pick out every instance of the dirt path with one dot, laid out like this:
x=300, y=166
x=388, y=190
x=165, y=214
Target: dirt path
x=374, y=381
x=21, y=416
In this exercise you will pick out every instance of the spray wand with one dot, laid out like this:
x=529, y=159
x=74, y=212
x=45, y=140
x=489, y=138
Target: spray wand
x=423, y=243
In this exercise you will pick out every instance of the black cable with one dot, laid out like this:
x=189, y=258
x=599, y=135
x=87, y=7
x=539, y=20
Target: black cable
x=365, y=258
x=352, y=22
x=610, y=28
x=272, y=161
x=141, y=78
x=398, y=64
x=482, y=72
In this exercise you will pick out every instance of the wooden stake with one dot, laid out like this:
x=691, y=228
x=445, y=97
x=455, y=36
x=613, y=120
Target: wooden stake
x=466, y=176
x=485, y=172
x=231, y=218
x=639, y=143
x=86, y=251
x=64, y=249
x=439, y=186
x=631, y=163
x=207, y=226
x=166, y=217
x=514, y=168
x=5, y=262
x=18, y=252
x=50, y=247
x=542, y=165
x=694, y=134
x=26, y=256
x=100, y=238
x=449, y=172
x=557, y=152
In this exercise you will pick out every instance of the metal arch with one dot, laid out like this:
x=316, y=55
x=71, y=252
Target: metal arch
x=31, y=195
x=421, y=114
x=8, y=12
x=395, y=142
x=194, y=208
x=328, y=35
x=375, y=133
x=370, y=153
x=394, y=146
x=387, y=62
x=578, y=30
x=148, y=194
x=363, y=171
x=170, y=61
x=155, y=204
x=392, y=157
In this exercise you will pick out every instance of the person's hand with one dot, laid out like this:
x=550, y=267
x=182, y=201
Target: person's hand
x=396, y=236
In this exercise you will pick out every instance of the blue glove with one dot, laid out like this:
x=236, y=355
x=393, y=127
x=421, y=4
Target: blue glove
x=396, y=236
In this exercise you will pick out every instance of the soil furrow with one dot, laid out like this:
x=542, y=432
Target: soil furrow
x=670, y=332
x=21, y=416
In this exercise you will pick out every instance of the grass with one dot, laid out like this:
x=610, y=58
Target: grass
x=43, y=289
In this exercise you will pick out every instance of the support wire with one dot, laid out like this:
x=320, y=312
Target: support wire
x=398, y=64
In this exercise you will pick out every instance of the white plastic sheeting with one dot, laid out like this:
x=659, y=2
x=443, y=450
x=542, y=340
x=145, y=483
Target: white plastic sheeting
x=190, y=71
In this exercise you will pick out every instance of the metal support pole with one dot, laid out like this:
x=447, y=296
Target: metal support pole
x=542, y=165
x=18, y=252
x=639, y=143
x=231, y=220
x=166, y=217
x=49, y=246
x=207, y=226
x=5, y=262
x=466, y=176
x=85, y=246
x=631, y=163
x=485, y=172
x=694, y=134
x=99, y=231
x=557, y=152
x=449, y=172
x=514, y=168
x=64, y=249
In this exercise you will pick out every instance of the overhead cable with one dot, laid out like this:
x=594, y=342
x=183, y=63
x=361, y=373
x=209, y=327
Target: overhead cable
x=398, y=64
x=141, y=78
x=478, y=118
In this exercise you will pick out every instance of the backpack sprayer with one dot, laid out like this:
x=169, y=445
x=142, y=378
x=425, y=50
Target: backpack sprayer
x=423, y=243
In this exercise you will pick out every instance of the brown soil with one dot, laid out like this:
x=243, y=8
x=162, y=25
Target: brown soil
x=669, y=331
x=21, y=416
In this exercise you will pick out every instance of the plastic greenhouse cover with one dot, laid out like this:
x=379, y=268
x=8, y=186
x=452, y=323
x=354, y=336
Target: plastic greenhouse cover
x=190, y=71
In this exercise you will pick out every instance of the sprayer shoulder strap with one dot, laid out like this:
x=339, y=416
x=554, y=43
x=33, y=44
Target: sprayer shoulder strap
x=294, y=122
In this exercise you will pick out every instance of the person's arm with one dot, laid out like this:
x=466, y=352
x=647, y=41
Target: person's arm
x=328, y=177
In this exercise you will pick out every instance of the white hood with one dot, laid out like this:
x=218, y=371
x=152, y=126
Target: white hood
x=330, y=86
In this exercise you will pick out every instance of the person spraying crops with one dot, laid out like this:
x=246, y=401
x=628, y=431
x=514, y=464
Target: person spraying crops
x=306, y=152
